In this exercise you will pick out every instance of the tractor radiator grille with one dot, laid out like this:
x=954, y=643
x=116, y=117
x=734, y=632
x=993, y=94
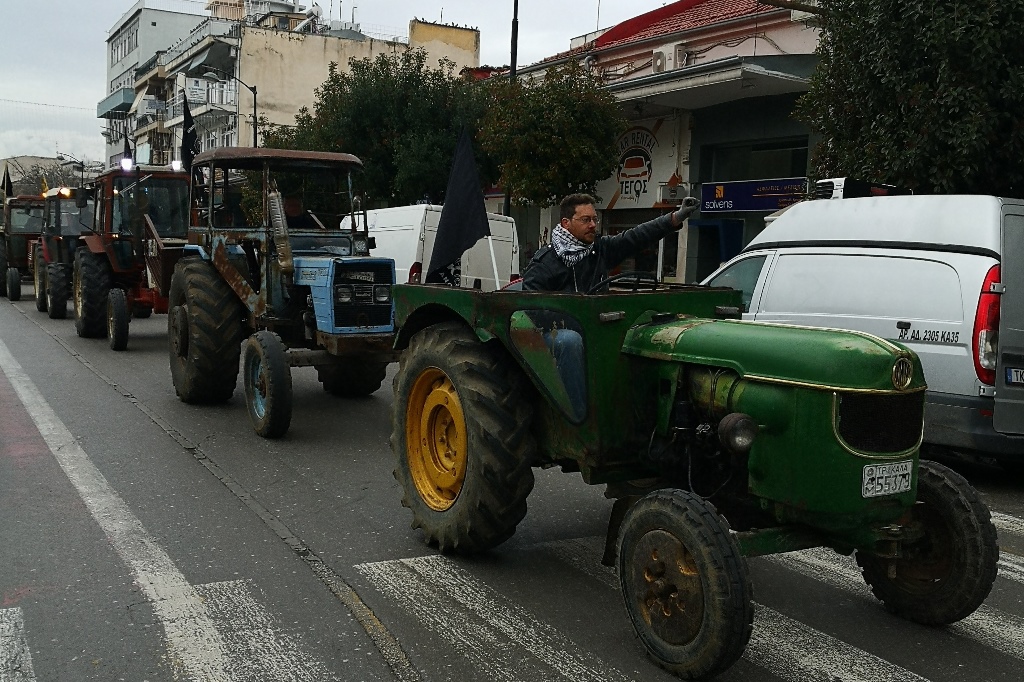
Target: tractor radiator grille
x=363, y=311
x=880, y=423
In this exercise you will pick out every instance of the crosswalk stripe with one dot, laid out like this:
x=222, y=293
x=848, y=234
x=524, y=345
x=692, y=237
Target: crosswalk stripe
x=257, y=649
x=1011, y=568
x=1007, y=523
x=15, y=657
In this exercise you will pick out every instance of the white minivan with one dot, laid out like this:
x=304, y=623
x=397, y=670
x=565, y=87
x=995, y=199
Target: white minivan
x=406, y=234
x=943, y=275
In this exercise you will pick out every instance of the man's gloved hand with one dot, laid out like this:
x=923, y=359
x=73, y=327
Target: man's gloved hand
x=688, y=207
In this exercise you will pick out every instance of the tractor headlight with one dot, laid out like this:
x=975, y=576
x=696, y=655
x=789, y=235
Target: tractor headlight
x=362, y=246
x=737, y=432
x=344, y=293
x=382, y=293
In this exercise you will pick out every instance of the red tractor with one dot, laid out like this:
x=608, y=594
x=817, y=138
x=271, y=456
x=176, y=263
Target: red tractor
x=67, y=216
x=123, y=267
x=23, y=221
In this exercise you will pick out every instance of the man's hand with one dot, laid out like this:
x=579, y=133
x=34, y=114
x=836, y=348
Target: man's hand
x=688, y=207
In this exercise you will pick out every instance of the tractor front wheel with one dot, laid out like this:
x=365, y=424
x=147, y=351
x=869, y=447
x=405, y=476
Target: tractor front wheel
x=354, y=379
x=685, y=584
x=39, y=280
x=948, y=573
x=57, y=291
x=13, y=284
x=205, y=326
x=91, y=284
x=117, y=319
x=462, y=439
x=267, y=377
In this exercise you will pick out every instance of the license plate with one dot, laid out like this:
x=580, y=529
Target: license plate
x=886, y=479
x=1014, y=375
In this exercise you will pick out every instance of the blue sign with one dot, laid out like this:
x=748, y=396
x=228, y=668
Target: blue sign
x=751, y=195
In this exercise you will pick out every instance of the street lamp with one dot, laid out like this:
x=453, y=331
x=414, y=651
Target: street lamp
x=214, y=76
x=69, y=160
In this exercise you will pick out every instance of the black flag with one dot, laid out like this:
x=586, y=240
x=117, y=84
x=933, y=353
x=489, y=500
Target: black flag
x=8, y=185
x=189, y=137
x=463, y=219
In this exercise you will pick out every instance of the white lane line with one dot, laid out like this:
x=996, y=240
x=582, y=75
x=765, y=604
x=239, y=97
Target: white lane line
x=993, y=628
x=793, y=651
x=1007, y=523
x=15, y=657
x=470, y=637
x=1011, y=567
x=196, y=648
x=258, y=649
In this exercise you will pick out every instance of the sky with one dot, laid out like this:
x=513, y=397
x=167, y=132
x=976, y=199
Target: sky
x=53, y=65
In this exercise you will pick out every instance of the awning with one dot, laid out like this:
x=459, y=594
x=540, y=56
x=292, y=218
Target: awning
x=138, y=100
x=216, y=57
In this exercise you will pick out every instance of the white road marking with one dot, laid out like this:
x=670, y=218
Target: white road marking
x=15, y=657
x=1007, y=523
x=1011, y=567
x=195, y=646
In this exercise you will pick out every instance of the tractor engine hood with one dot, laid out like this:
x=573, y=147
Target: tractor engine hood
x=829, y=359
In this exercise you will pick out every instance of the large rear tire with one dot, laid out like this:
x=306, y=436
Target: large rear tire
x=3, y=265
x=13, y=284
x=39, y=280
x=57, y=291
x=267, y=378
x=685, y=584
x=117, y=319
x=946, y=575
x=461, y=435
x=355, y=378
x=205, y=327
x=91, y=284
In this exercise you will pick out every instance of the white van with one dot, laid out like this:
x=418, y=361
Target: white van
x=406, y=234
x=939, y=274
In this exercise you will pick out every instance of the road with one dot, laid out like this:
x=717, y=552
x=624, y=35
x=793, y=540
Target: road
x=145, y=539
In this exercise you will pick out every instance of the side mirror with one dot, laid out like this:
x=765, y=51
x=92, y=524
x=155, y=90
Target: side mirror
x=81, y=200
x=371, y=243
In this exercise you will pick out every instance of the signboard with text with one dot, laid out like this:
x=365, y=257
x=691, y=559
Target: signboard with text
x=647, y=160
x=751, y=195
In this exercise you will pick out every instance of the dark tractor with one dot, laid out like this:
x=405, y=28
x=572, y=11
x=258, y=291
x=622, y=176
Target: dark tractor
x=122, y=268
x=67, y=214
x=271, y=260
x=719, y=439
x=23, y=221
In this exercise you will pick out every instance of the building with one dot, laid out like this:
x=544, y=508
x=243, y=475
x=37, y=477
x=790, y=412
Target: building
x=708, y=87
x=249, y=61
x=148, y=26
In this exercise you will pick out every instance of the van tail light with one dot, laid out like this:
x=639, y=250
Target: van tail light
x=415, y=273
x=986, y=329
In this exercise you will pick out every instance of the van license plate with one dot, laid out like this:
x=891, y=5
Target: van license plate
x=886, y=479
x=1014, y=375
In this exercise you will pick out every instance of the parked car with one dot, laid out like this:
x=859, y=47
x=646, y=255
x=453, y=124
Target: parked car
x=936, y=273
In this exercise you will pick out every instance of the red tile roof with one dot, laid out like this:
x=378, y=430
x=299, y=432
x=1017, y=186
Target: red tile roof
x=679, y=16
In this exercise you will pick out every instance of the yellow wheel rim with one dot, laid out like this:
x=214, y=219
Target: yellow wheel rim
x=435, y=437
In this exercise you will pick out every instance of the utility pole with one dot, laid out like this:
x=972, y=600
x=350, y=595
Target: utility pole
x=507, y=208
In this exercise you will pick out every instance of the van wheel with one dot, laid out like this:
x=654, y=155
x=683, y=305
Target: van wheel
x=948, y=573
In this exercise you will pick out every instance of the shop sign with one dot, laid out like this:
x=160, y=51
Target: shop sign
x=645, y=162
x=751, y=195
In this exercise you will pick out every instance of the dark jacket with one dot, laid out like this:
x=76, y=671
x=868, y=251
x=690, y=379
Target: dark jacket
x=547, y=272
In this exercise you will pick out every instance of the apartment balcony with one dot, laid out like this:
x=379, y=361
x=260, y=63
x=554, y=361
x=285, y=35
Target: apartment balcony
x=218, y=100
x=116, y=104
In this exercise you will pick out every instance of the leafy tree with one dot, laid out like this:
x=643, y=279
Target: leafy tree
x=552, y=136
x=399, y=116
x=924, y=94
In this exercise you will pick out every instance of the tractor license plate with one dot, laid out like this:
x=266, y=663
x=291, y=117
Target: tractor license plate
x=1014, y=375
x=886, y=479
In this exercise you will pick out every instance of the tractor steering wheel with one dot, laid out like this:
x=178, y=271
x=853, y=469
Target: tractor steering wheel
x=638, y=276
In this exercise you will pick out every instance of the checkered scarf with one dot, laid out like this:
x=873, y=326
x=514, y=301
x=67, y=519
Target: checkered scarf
x=568, y=248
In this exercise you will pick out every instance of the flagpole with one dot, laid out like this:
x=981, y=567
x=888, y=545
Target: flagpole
x=507, y=208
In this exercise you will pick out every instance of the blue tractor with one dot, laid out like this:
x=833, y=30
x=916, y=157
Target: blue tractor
x=268, y=262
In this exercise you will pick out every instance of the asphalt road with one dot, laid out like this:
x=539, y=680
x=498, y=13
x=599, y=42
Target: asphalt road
x=145, y=539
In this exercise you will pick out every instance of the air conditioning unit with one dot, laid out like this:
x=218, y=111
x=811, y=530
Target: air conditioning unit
x=672, y=194
x=848, y=188
x=658, y=62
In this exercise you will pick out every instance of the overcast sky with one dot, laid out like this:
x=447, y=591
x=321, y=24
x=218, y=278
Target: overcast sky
x=53, y=69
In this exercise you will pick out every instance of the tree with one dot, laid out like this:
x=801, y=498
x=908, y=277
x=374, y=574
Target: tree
x=928, y=95
x=30, y=180
x=552, y=136
x=399, y=116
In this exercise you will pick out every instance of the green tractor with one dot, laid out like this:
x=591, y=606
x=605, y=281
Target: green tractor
x=718, y=439
x=23, y=221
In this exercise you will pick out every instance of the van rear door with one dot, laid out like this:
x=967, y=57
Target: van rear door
x=1008, y=416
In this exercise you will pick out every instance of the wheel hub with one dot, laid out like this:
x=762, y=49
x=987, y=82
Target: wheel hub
x=668, y=587
x=179, y=331
x=436, y=439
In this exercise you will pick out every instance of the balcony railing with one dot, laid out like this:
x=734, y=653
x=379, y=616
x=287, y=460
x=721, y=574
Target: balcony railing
x=210, y=27
x=223, y=96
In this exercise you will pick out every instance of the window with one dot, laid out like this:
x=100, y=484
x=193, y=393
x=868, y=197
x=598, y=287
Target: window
x=741, y=275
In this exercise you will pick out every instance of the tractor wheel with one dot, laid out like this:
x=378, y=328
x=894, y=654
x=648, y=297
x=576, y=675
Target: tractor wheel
x=462, y=439
x=57, y=291
x=355, y=379
x=685, y=584
x=947, y=574
x=141, y=312
x=91, y=284
x=117, y=319
x=3, y=265
x=267, y=378
x=39, y=280
x=13, y=284
x=205, y=326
